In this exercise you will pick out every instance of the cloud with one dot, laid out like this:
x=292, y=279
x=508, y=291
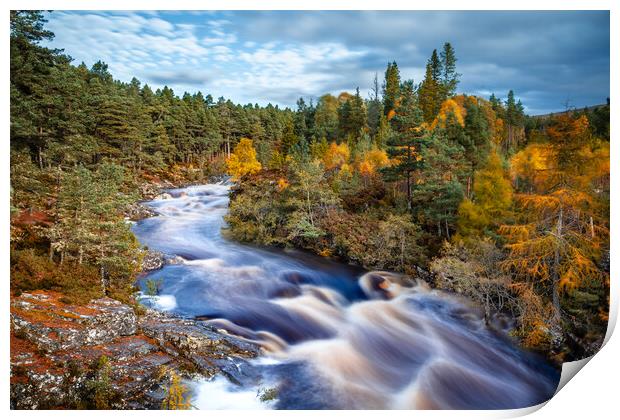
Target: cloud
x=177, y=77
x=277, y=56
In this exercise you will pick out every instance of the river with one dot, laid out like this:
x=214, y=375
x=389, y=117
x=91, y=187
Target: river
x=333, y=336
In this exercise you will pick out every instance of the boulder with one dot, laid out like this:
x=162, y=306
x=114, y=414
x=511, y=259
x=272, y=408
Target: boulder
x=138, y=211
x=153, y=260
x=163, y=196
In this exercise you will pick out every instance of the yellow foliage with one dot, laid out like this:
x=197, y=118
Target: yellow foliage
x=498, y=133
x=326, y=252
x=175, y=398
x=471, y=219
x=336, y=156
x=372, y=161
x=282, y=184
x=533, y=164
x=534, y=317
x=492, y=199
x=243, y=160
x=450, y=106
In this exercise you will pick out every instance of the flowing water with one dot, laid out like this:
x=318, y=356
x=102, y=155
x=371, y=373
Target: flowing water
x=333, y=336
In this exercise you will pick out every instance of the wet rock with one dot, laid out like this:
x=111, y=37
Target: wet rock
x=150, y=190
x=174, y=260
x=153, y=260
x=189, y=338
x=163, y=196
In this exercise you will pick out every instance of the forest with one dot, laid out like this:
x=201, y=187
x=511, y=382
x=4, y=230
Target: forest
x=507, y=209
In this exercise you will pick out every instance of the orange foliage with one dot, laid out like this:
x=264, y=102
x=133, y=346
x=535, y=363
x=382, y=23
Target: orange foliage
x=282, y=184
x=372, y=161
x=450, y=106
x=336, y=156
x=564, y=221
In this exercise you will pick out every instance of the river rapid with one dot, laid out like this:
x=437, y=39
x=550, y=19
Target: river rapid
x=333, y=336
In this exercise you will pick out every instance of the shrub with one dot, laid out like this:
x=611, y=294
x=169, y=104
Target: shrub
x=31, y=271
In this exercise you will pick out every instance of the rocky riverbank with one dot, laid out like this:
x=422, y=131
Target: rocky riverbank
x=69, y=356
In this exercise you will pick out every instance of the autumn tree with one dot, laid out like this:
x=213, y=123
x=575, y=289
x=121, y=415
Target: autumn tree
x=563, y=224
x=491, y=201
x=243, y=160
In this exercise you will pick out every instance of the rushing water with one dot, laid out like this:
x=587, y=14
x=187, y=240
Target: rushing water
x=333, y=336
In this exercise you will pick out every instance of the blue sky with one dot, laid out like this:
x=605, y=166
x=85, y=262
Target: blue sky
x=548, y=58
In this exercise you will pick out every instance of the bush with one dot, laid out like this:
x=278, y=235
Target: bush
x=31, y=271
x=472, y=270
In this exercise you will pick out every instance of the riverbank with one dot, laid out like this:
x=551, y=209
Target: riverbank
x=106, y=354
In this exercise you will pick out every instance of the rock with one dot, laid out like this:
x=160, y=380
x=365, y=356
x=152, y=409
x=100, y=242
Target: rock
x=190, y=338
x=153, y=260
x=54, y=347
x=174, y=260
x=53, y=326
x=163, y=196
x=137, y=211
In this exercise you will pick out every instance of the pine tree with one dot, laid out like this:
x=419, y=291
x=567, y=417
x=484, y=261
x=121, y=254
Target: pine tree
x=375, y=108
x=406, y=144
x=449, y=77
x=391, y=88
x=436, y=66
x=429, y=95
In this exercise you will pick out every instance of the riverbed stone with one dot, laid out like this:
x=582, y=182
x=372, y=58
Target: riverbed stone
x=153, y=260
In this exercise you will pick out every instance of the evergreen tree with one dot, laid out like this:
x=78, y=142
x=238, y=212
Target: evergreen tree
x=429, y=95
x=391, y=88
x=408, y=141
x=375, y=108
x=449, y=77
x=326, y=117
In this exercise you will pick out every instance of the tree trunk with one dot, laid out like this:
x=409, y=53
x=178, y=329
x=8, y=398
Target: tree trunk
x=40, y=157
x=556, y=272
x=468, y=186
x=409, y=190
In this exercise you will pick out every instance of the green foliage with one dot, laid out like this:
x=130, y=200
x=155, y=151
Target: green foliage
x=99, y=393
x=30, y=271
x=409, y=138
x=153, y=286
x=90, y=227
x=391, y=88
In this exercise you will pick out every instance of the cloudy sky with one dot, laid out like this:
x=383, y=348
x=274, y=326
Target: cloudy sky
x=547, y=58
